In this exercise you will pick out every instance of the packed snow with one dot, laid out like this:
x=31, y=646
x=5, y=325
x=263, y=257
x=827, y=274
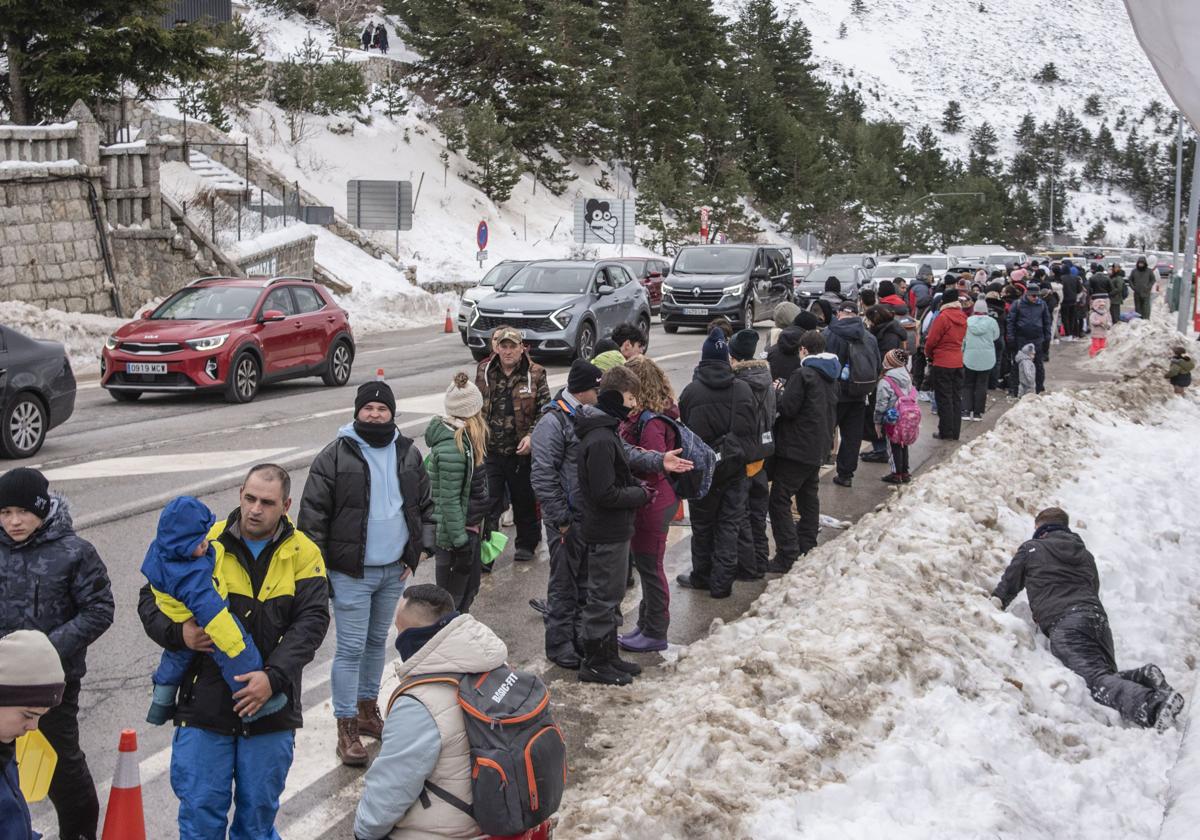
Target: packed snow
x=875, y=691
x=81, y=333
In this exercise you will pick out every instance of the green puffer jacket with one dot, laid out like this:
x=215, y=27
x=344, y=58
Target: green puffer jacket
x=460, y=497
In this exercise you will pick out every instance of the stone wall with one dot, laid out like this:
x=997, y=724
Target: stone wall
x=50, y=249
x=153, y=264
x=292, y=258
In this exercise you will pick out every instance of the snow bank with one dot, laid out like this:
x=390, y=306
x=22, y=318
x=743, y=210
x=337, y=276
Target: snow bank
x=81, y=333
x=875, y=692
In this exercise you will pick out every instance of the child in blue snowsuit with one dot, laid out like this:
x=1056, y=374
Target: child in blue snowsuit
x=180, y=567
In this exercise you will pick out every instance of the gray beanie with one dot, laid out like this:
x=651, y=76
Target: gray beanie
x=31, y=673
x=463, y=399
x=785, y=313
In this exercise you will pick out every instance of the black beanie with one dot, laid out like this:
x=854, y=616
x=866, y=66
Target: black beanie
x=374, y=391
x=743, y=344
x=806, y=320
x=715, y=347
x=25, y=488
x=886, y=288
x=584, y=376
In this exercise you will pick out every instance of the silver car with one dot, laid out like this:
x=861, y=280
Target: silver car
x=496, y=275
x=561, y=307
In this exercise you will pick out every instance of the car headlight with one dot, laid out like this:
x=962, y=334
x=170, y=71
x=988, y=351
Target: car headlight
x=111, y=342
x=210, y=343
x=668, y=288
x=729, y=291
x=473, y=316
x=561, y=318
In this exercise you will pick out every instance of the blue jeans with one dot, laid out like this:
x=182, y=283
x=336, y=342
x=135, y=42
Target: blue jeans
x=363, y=610
x=209, y=770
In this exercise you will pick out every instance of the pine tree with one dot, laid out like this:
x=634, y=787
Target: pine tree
x=1048, y=74
x=1091, y=105
x=843, y=31
x=952, y=117
x=294, y=86
x=984, y=140
x=1026, y=131
x=497, y=168
x=858, y=7
x=1096, y=234
x=94, y=50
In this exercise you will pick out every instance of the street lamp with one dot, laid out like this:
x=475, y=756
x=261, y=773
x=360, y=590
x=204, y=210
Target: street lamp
x=925, y=197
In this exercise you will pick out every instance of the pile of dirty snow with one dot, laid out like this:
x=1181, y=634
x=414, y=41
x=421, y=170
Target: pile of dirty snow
x=82, y=334
x=875, y=691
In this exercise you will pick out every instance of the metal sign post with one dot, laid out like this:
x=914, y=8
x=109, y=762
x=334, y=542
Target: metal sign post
x=481, y=241
x=380, y=205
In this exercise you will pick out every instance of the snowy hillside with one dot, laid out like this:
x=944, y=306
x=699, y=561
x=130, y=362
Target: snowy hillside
x=907, y=60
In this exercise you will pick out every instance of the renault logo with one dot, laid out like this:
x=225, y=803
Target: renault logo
x=696, y=291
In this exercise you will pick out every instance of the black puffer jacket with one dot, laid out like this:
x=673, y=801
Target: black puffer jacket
x=715, y=404
x=281, y=598
x=1059, y=573
x=807, y=411
x=55, y=582
x=757, y=374
x=890, y=335
x=1072, y=285
x=783, y=357
x=609, y=495
x=336, y=504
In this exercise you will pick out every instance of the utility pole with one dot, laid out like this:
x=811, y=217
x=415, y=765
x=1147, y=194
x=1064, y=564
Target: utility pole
x=1051, y=242
x=1178, y=194
x=1189, y=259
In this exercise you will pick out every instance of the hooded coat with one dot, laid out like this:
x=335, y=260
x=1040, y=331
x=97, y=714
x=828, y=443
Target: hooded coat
x=54, y=581
x=425, y=739
x=609, y=495
x=808, y=411
x=1028, y=323
x=838, y=337
x=885, y=394
x=757, y=374
x=890, y=335
x=717, y=406
x=1142, y=279
x=655, y=436
x=458, y=487
x=944, y=344
x=1059, y=574
x=979, y=346
x=1099, y=317
x=783, y=357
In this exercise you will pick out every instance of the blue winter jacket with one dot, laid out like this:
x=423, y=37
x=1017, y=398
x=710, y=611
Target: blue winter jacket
x=1028, y=323
x=185, y=586
x=14, y=813
x=387, y=529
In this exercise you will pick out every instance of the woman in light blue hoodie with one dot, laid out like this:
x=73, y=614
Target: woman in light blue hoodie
x=367, y=505
x=979, y=357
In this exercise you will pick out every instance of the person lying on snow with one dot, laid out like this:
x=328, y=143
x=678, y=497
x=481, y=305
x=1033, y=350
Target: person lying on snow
x=1063, y=586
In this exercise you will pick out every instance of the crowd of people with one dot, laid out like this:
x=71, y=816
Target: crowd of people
x=599, y=470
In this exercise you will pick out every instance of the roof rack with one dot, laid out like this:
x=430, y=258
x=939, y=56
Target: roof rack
x=281, y=278
x=208, y=277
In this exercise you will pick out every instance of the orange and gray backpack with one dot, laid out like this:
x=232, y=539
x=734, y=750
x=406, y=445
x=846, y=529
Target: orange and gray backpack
x=518, y=755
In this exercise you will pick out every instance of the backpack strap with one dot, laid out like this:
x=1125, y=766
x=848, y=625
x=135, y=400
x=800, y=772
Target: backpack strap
x=446, y=796
x=424, y=679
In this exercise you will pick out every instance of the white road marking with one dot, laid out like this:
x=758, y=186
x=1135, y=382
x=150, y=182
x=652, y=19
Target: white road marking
x=157, y=464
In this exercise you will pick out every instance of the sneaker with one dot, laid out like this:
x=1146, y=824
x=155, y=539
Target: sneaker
x=978, y=418
x=843, y=481
x=873, y=457
x=925, y=396
x=1168, y=711
x=907, y=477
x=893, y=478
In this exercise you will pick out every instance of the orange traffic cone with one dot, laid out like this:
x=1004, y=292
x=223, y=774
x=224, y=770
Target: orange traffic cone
x=378, y=374
x=449, y=321
x=125, y=819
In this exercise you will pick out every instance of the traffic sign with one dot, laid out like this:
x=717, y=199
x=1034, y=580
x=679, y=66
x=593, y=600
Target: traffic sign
x=481, y=236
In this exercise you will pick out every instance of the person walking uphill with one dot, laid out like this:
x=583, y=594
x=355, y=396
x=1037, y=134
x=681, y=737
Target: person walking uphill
x=457, y=444
x=54, y=581
x=1142, y=279
x=31, y=685
x=858, y=354
x=367, y=504
x=609, y=498
x=274, y=578
x=1059, y=574
x=514, y=393
x=719, y=409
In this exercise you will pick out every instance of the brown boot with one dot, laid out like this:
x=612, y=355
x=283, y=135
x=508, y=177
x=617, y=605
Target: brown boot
x=370, y=723
x=349, y=747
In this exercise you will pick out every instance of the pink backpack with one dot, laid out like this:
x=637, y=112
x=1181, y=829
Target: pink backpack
x=907, y=428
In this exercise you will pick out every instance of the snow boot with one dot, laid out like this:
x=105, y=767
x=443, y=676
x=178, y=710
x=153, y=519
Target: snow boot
x=596, y=668
x=350, y=750
x=273, y=705
x=162, y=704
x=641, y=643
x=1169, y=710
x=1148, y=675
x=614, y=657
x=370, y=722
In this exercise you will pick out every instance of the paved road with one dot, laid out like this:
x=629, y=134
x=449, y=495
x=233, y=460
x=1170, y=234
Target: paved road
x=118, y=462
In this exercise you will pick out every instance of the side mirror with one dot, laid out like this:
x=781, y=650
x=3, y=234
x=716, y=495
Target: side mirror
x=271, y=315
x=666, y=272
x=604, y=291
x=146, y=314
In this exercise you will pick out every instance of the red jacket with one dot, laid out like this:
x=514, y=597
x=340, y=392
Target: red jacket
x=944, y=344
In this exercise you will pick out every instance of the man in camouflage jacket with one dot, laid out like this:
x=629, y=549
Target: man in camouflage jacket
x=54, y=581
x=514, y=393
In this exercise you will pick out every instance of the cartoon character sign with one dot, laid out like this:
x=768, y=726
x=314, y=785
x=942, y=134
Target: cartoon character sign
x=600, y=221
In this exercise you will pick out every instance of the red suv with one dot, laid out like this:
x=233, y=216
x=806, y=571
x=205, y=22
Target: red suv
x=232, y=335
x=650, y=273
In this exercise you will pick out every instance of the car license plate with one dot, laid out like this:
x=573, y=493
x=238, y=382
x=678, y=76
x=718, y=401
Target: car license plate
x=144, y=367
x=702, y=312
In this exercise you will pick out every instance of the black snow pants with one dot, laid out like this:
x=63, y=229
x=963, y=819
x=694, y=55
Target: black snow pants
x=753, y=548
x=566, y=591
x=716, y=522
x=1083, y=642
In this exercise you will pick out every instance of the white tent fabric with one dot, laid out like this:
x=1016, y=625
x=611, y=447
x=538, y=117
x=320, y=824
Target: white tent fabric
x=1169, y=31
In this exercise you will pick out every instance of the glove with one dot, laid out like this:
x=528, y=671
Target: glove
x=997, y=603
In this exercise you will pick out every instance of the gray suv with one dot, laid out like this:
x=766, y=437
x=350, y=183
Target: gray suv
x=561, y=307
x=742, y=282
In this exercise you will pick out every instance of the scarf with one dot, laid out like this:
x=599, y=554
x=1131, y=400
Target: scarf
x=1049, y=529
x=415, y=638
x=377, y=435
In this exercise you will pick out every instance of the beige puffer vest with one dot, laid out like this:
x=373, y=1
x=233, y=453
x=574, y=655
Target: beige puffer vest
x=464, y=646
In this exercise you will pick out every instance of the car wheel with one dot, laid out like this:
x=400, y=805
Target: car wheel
x=125, y=396
x=479, y=354
x=585, y=341
x=244, y=379
x=24, y=430
x=670, y=328
x=748, y=314
x=643, y=324
x=337, y=368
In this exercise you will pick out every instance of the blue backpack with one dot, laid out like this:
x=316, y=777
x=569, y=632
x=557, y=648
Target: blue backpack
x=693, y=484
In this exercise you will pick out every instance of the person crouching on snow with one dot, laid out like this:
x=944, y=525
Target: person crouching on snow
x=1063, y=585
x=180, y=566
x=1180, y=371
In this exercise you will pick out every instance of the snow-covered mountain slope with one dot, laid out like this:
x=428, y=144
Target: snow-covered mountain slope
x=908, y=60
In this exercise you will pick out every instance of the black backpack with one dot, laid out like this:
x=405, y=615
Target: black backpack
x=518, y=755
x=860, y=371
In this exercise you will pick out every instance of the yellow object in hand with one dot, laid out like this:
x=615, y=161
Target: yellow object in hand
x=36, y=761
